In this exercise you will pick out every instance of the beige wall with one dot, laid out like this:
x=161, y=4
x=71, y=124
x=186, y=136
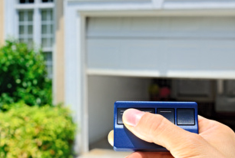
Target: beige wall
x=59, y=54
x=1, y=22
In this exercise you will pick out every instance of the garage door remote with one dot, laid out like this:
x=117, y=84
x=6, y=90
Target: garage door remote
x=182, y=114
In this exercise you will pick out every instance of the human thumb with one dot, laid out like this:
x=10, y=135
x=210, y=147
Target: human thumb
x=156, y=129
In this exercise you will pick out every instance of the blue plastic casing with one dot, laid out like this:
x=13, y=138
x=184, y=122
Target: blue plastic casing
x=124, y=140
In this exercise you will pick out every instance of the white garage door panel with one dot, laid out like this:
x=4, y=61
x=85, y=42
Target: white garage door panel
x=162, y=44
x=161, y=54
x=171, y=27
x=123, y=54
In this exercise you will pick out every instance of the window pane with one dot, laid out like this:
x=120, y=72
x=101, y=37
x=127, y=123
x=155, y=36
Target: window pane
x=48, y=60
x=50, y=29
x=21, y=30
x=44, y=42
x=26, y=1
x=21, y=40
x=47, y=15
x=50, y=15
x=26, y=27
x=44, y=29
x=21, y=16
x=50, y=41
x=30, y=42
x=44, y=15
x=48, y=57
x=47, y=28
x=30, y=29
x=46, y=1
x=49, y=71
x=30, y=15
x=22, y=1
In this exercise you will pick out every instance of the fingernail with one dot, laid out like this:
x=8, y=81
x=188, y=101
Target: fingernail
x=132, y=117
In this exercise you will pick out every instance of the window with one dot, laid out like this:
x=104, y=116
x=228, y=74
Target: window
x=47, y=36
x=26, y=26
x=49, y=64
x=47, y=28
x=46, y=1
x=26, y=1
x=36, y=27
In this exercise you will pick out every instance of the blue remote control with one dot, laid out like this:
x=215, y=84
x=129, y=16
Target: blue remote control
x=182, y=114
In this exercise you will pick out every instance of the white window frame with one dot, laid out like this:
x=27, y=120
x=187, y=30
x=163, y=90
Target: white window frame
x=46, y=49
x=12, y=22
x=25, y=24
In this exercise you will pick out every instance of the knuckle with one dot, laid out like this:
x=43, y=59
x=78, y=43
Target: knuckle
x=157, y=126
x=150, y=126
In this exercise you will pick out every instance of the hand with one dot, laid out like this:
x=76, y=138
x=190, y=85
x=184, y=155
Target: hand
x=214, y=139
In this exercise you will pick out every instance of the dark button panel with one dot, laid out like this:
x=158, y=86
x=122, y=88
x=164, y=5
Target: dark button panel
x=185, y=117
x=167, y=113
x=120, y=112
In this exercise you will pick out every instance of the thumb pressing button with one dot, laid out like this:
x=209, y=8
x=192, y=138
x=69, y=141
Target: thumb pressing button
x=167, y=113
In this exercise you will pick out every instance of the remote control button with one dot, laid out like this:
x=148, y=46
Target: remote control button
x=185, y=117
x=120, y=112
x=167, y=113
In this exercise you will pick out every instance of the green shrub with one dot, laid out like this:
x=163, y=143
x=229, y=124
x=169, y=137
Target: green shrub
x=23, y=76
x=36, y=132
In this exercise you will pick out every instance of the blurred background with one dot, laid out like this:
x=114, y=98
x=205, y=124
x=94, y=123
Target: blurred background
x=98, y=51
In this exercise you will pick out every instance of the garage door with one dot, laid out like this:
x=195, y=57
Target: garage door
x=162, y=46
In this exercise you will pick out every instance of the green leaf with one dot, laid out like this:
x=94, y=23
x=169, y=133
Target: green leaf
x=23, y=75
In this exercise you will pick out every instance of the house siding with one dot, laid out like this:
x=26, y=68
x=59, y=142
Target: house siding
x=59, y=55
